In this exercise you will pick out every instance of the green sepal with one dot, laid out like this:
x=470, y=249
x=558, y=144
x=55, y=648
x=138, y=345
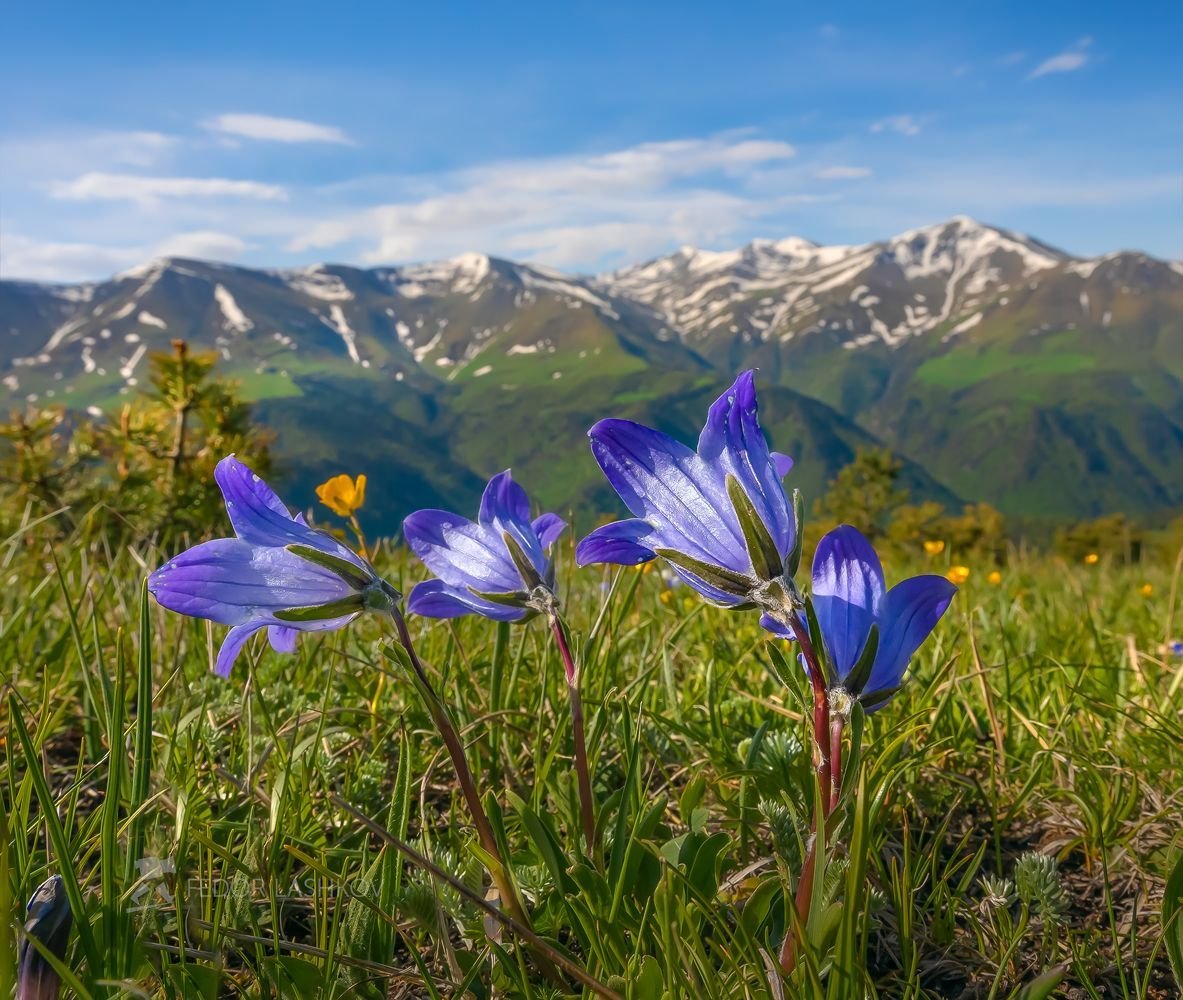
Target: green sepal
x=818, y=640
x=512, y=599
x=860, y=673
x=878, y=698
x=719, y=577
x=793, y=559
x=530, y=576
x=762, y=550
x=352, y=575
x=322, y=612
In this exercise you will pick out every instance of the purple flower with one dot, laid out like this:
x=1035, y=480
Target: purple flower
x=48, y=920
x=718, y=515
x=869, y=633
x=278, y=573
x=496, y=567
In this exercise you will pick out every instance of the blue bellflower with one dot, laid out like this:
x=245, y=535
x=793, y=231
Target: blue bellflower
x=719, y=515
x=278, y=573
x=48, y=919
x=496, y=566
x=870, y=633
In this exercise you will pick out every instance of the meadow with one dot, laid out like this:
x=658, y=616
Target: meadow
x=1010, y=829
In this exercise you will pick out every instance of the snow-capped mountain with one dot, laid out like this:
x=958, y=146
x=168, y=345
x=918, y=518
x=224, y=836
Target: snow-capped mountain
x=873, y=292
x=943, y=342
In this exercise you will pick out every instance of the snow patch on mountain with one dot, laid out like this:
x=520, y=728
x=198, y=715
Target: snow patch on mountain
x=233, y=318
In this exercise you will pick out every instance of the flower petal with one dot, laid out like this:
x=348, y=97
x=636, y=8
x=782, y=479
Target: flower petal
x=776, y=627
x=665, y=483
x=260, y=517
x=232, y=645
x=733, y=439
x=782, y=463
x=230, y=581
x=548, y=527
x=911, y=610
x=505, y=509
x=436, y=599
x=460, y=552
x=847, y=591
x=618, y=543
x=283, y=638
x=504, y=500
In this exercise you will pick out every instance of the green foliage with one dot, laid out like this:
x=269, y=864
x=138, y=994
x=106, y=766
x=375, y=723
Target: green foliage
x=1113, y=536
x=146, y=469
x=1040, y=715
x=863, y=493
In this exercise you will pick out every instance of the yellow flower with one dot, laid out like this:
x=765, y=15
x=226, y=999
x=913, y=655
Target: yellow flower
x=1092, y=559
x=343, y=495
x=934, y=546
x=957, y=574
x=667, y=596
x=995, y=577
x=1147, y=589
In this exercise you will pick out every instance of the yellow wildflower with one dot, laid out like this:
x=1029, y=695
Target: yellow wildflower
x=1092, y=559
x=343, y=495
x=994, y=577
x=957, y=574
x=1146, y=590
x=667, y=596
x=934, y=546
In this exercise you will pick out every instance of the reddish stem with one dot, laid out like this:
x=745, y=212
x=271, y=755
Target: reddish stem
x=836, y=723
x=582, y=767
x=822, y=741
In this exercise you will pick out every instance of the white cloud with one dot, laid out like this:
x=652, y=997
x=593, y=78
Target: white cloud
x=35, y=260
x=569, y=210
x=902, y=124
x=35, y=156
x=842, y=173
x=272, y=129
x=1066, y=62
x=148, y=190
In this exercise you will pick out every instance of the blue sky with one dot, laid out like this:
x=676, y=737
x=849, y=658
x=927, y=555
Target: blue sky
x=583, y=136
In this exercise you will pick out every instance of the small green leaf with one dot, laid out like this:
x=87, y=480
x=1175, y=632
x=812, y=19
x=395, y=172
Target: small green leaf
x=322, y=612
x=719, y=577
x=762, y=550
x=530, y=576
x=1042, y=986
x=793, y=559
x=353, y=575
x=857, y=679
x=1172, y=918
x=512, y=599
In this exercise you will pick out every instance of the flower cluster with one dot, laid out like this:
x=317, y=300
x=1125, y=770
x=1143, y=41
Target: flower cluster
x=716, y=516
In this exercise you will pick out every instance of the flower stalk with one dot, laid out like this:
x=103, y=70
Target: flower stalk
x=825, y=734
x=582, y=765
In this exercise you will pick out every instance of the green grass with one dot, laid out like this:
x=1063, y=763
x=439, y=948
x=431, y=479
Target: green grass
x=958, y=370
x=1042, y=716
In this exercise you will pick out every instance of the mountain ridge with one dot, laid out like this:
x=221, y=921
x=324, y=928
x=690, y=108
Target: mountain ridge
x=939, y=342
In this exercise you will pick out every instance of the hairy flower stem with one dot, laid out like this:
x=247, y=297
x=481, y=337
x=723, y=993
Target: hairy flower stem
x=443, y=722
x=823, y=737
x=582, y=767
x=836, y=724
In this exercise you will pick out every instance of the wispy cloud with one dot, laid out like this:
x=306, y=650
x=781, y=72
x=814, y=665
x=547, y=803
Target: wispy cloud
x=149, y=190
x=1069, y=60
x=271, y=129
x=570, y=210
x=41, y=260
x=842, y=173
x=902, y=124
